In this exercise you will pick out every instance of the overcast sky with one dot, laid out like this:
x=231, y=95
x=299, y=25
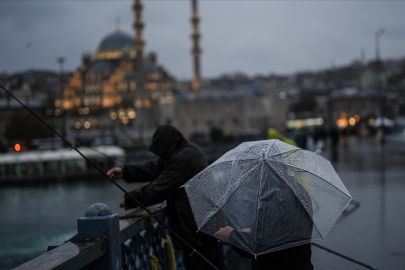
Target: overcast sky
x=254, y=37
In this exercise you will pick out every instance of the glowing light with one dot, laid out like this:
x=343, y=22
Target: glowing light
x=319, y=121
x=147, y=103
x=352, y=121
x=57, y=112
x=357, y=117
x=121, y=113
x=282, y=95
x=78, y=102
x=131, y=113
x=342, y=123
x=138, y=104
x=78, y=125
x=113, y=115
x=17, y=147
x=86, y=110
x=87, y=125
x=125, y=120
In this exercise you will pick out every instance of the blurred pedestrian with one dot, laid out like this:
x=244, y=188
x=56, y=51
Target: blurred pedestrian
x=334, y=136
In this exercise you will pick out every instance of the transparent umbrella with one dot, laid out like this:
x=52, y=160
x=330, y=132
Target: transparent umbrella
x=271, y=195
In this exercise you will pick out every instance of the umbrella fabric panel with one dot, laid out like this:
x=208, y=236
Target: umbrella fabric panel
x=209, y=190
x=321, y=191
x=304, y=160
x=265, y=214
x=239, y=211
x=282, y=222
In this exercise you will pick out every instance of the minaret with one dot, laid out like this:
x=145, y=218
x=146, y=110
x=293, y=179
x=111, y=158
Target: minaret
x=196, y=48
x=139, y=44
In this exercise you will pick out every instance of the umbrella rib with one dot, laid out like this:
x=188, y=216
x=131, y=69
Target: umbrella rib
x=313, y=174
x=216, y=207
x=288, y=151
x=257, y=204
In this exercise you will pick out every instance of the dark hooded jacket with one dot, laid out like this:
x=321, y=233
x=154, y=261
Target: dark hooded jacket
x=179, y=160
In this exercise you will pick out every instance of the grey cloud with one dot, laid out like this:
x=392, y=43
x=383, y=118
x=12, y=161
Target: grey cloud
x=25, y=15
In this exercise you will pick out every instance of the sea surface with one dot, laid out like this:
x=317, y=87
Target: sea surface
x=35, y=216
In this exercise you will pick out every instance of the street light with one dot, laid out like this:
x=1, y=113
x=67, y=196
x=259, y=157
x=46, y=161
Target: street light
x=381, y=131
x=61, y=60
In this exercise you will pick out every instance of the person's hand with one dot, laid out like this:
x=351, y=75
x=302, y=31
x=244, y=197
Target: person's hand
x=123, y=205
x=223, y=234
x=115, y=173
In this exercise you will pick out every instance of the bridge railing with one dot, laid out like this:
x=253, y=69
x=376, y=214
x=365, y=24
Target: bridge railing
x=108, y=241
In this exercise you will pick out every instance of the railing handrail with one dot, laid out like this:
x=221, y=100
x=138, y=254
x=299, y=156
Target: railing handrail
x=77, y=253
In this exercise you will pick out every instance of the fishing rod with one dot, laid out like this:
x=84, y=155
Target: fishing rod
x=112, y=181
x=345, y=257
x=96, y=150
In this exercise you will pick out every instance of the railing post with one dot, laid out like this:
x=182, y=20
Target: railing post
x=99, y=222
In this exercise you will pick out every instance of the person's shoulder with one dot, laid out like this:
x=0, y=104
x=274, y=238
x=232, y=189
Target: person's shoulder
x=190, y=152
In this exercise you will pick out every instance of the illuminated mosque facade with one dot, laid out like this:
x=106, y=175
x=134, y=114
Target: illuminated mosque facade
x=115, y=93
x=120, y=93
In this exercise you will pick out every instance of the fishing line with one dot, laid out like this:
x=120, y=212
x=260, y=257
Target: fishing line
x=94, y=149
x=112, y=181
x=345, y=257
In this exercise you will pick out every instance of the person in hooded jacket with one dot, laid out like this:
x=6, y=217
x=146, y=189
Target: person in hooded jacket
x=179, y=160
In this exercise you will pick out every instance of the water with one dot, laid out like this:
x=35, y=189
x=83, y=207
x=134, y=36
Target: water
x=34, y=217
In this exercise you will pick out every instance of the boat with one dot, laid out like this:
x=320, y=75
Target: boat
x=59, y=164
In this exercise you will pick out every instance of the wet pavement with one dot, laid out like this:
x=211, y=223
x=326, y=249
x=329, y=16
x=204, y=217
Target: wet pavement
x=373, y=233
x=372, y=230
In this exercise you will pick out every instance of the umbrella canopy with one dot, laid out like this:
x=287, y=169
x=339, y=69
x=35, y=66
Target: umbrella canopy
x=271, y=194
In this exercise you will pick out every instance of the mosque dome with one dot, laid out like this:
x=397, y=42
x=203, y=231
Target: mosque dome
x=116, y=41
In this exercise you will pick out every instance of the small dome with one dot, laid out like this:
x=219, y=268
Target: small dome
x=116, y=41
x=101, y=66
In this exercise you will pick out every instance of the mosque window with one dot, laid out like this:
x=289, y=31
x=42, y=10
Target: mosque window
x=138, y=104
x=125, y=120
x=131, y=113
x=113, y=115
x=78, y=102
x=133, y=86
x=147, y=103
x=121, y=113
x=87, y=125
x=124, y=87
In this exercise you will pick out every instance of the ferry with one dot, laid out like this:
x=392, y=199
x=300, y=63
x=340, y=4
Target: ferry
x=59, y=164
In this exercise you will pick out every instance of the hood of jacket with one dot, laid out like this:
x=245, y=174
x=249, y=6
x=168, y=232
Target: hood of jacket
x=166, y=140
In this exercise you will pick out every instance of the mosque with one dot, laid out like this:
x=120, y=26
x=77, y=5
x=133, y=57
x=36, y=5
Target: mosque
x=123, y=94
